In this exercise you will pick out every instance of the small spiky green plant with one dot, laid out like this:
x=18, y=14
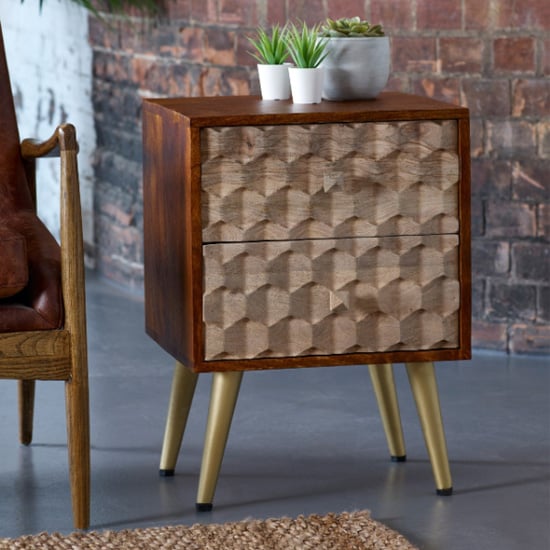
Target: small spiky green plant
x=305, y=47
x=350, y=27
x=270, y=49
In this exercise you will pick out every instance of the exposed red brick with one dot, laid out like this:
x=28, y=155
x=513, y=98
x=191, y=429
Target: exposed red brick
x=516, y=14
x=530, y=339
x=486, y=97
x=545, y=56
x=490, y=257
x=398, y=83
x=477, y=137
x=445, y=89
x=276, y=13
x=192, y=41
x=205, y=11
x=219, y=46
x=512, y=301
x=414, y=54
x=543, y=225
x=395, y=16
x=492, y=178
x=346, y=8
x=477, y=14
x=515, y=54
x=492, y=61
x=178, y=9
x=447, y=15
x=461, y=54
x=543, y=304
x=530, y=98
x=530, y=180
x=531, y=261
x=478, y=218
x=237, y=12
x=510, y=219
x=489, y=335
x=543, y=133
x=310, y=11
x=511, y=137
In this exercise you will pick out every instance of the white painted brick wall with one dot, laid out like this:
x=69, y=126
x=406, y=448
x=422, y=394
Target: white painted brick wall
x=50, y=63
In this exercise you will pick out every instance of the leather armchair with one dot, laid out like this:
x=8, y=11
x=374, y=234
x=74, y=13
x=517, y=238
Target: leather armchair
x=42, y=297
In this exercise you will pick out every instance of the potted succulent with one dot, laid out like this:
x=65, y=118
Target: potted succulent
x=271, y=54
x=357, y=65
x=307, y=51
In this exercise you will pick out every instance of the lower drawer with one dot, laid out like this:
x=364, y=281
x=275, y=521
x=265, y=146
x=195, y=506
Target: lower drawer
x=330, y=296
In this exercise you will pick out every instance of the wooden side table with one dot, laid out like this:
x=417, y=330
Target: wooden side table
x=281, y=235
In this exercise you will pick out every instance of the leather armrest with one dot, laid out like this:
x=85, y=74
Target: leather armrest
x=14, y=271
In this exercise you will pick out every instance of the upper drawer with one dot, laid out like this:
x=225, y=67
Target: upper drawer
x=329, y=180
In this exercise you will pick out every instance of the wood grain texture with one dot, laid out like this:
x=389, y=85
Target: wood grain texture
x=409, y=139
x=35, y=355
x=329, y=180
x=330, y=296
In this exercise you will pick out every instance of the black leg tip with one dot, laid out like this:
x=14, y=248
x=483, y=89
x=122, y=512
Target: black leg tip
x=166, y=473
x=203, y=506
x=401, y=458
x=445, y=492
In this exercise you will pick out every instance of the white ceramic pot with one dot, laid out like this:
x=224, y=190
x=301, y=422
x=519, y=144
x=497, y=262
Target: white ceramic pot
x=356, y=68
x=274, y=81
x=306, y=84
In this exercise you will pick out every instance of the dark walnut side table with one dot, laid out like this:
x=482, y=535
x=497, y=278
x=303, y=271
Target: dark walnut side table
x=281, y=235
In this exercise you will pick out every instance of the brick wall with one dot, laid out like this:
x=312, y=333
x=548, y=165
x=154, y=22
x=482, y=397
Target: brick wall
x=492, y=56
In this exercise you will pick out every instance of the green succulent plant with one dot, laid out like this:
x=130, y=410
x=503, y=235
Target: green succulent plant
x=270, y=49
x=352, y=27
x=305, y=47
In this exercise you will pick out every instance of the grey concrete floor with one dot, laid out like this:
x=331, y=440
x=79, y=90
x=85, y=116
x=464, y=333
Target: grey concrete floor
x=303, y=441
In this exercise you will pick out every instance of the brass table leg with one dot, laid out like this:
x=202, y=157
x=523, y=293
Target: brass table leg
x=384, y=389
x=424, y=388
x=181, y=397
x=223, y=397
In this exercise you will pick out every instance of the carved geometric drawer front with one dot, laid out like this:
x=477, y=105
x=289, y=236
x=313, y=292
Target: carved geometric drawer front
x=330, y=296
x=329, y=180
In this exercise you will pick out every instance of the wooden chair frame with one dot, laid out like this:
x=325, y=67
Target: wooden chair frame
x=59, y=354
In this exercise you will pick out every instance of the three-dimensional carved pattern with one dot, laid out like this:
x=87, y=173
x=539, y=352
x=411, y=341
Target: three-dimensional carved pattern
x=329, y=180
x=330, y=296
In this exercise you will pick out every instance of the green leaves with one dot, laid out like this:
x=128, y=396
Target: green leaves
x=305, y=47
x=349, y=28
x=270, y=50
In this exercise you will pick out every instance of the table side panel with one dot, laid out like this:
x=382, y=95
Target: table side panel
x=465, y=270
x=168, y=275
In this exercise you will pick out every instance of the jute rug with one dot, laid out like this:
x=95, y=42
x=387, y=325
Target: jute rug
x=347, y=531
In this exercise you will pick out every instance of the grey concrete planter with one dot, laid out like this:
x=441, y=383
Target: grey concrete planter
x=356, y=68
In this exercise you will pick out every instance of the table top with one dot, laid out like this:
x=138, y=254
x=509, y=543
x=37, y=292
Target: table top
x=241, y=110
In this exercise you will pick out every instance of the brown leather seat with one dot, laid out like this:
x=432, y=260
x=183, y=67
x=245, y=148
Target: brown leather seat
x=42, y=299
x=39, y=305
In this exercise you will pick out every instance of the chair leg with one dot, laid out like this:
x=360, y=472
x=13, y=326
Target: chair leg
x=78, y=438
x=225, y=390
x=424, y=388
x=386, y=396
x=181, y=397
x=26, y=410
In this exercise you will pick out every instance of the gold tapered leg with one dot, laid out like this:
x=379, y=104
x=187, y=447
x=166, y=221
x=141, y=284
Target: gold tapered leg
x=26, y=410
x=181, y=397
x=424, y=388
x=223, y=397
x=384, y=389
